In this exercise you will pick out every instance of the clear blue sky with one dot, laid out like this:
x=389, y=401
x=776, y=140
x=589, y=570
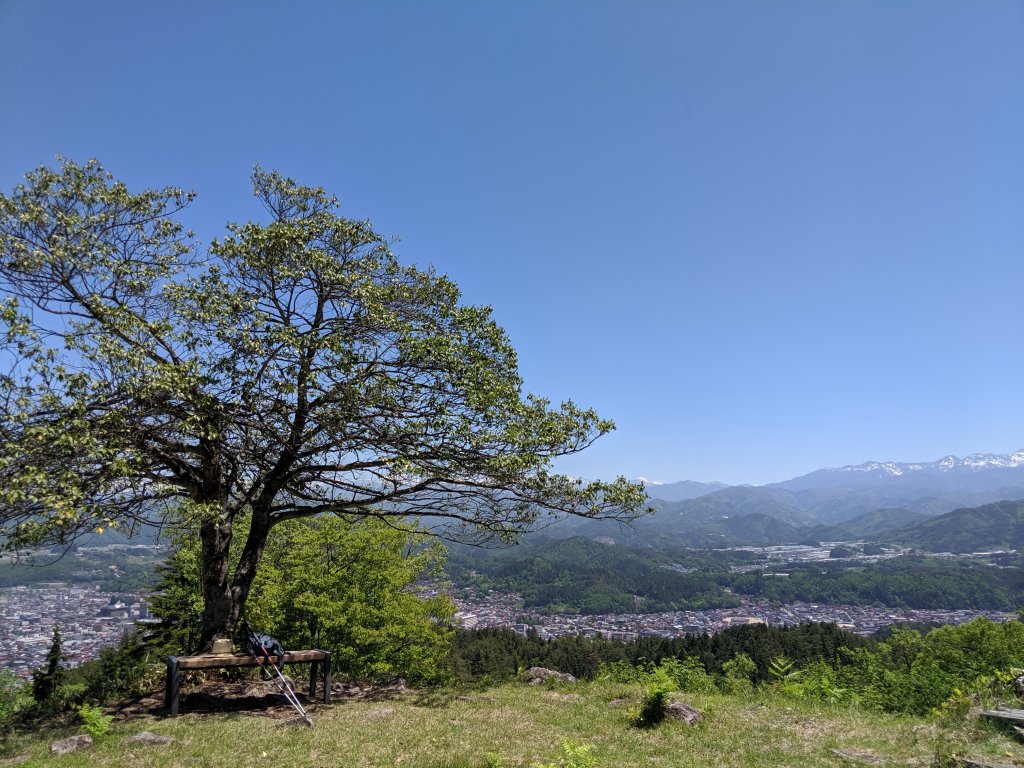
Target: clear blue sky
x=763, y=237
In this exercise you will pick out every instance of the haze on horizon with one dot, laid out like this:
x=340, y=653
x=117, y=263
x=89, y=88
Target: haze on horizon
x=762, y=238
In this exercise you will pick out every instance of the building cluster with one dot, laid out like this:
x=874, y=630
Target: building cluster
x=506, y=611
x=88, y=618
x=806, y=553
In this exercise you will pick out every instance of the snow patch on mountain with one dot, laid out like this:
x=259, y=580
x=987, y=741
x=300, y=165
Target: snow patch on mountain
x=976, y=461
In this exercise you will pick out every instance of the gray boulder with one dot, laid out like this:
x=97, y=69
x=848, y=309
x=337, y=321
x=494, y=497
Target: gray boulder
x=679, y=711
x=537, y=675
x=71, y=744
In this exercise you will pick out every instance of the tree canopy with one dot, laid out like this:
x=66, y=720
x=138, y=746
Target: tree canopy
x=293, y=367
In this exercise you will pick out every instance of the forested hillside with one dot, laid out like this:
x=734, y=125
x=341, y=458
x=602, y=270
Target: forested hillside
x=580, y=575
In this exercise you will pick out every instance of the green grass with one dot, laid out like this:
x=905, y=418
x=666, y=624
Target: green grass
x=519, y=726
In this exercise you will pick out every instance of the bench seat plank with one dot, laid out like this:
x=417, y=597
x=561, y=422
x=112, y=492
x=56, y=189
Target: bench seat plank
x=208, y=661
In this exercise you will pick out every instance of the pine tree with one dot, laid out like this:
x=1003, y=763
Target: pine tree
x=46, y=683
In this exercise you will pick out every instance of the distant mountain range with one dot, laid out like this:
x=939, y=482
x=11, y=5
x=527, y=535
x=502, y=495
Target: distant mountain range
x=979, y=471
x=684, y=489
x=869, y=500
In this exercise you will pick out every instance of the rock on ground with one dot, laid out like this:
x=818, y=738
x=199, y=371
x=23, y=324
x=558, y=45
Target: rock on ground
x=536, y=675
x=71, y=744
x=679, y=711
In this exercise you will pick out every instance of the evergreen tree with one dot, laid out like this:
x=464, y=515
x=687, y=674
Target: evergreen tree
x=47, y=683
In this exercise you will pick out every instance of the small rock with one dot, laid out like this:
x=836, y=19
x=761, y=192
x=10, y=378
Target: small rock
x=684, y=712
x=536, y=675
x=376, y=714
x=618, y=702
x=71, y=744
x=259, y=690
x=148, y=738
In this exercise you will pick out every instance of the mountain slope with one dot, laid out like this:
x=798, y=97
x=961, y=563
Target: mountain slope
x=997, y=526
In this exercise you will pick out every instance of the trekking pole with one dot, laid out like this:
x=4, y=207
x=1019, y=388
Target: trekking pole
x=278, y=678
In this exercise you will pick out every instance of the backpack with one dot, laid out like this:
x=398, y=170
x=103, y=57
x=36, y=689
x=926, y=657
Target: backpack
x=264, y=647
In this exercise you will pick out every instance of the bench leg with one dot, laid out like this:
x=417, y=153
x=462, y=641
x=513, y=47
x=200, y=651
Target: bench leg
x=314, y=667
x=327, y=677
x=172, y=687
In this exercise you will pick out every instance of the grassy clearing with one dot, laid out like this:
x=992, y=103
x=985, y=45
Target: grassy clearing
x=519, y=726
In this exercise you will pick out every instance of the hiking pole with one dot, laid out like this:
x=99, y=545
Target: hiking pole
x=263, y=660
x=283, y=685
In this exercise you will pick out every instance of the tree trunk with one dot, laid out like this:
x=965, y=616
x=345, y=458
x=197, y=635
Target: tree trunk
x=223, y=598
x=218, y=614
x=248, y=562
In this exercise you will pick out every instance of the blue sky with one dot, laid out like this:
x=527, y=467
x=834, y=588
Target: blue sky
x=762, y=237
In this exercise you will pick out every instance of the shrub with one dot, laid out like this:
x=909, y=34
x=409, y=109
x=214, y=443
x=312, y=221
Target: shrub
x=738, y=674
x=15, y=699
x=96, y=723
x=575, y=754
x=621, y=672
x=654, y=706
x=818, y=681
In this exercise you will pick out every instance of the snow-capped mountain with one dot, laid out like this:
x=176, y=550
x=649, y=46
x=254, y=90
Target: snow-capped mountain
x=975, y=462
x=974, y=472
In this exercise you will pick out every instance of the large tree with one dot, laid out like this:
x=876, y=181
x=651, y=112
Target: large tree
x=292, y=368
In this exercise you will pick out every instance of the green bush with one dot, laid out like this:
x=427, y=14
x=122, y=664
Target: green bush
x=95, y=722
x=914, y=673
x=622, y=672
x=132, y=667
x=575, y=754
x=738, y=674
x=15, y=700
x=820, y=681
x=786, y=677
x=654, y=706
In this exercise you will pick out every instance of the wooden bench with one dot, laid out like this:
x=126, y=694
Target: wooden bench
x=319, y=661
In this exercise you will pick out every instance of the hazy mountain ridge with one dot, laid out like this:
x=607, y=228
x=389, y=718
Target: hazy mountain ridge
x=865, y=500
x=680, y=491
